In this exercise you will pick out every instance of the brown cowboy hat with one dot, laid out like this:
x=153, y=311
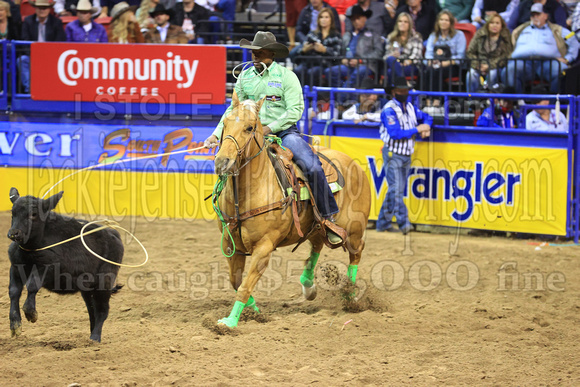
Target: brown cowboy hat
x=267, y=41
x=42, y=3
x=121, y=8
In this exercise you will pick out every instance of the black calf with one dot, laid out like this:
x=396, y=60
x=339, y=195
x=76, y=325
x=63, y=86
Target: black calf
x=66, y=268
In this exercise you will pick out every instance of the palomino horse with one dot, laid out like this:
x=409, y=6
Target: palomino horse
x=242, y=155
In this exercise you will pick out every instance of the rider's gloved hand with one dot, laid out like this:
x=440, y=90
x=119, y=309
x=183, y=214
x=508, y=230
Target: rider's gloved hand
x=211, y=142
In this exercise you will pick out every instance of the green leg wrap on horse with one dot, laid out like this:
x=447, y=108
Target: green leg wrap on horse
x=252, y=304
x=307, y=277
x=234, y=317
x=351, y=273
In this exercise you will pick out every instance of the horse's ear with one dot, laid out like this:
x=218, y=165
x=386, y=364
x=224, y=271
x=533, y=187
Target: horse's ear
x=235, y=100
x=261, y=102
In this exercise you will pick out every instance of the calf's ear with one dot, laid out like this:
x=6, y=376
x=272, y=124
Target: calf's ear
x=51, y=202
x=14, y=195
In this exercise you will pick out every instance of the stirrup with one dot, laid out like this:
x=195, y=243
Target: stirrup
x=335, y=235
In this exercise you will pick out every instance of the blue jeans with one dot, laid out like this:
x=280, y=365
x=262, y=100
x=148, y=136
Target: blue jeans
x=517, y=72
x=473, y=82
x=396, y=168
x=352, y=75
x=23, y=64
x=309, y=74
x=393, y=65
x=312, y=169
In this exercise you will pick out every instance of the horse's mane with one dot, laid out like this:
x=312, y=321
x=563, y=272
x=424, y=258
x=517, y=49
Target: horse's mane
x=250, y=105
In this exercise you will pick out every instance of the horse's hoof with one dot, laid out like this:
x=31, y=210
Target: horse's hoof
x=95, y=338
x=309, y=293
x=31, y=315
x=229, y=322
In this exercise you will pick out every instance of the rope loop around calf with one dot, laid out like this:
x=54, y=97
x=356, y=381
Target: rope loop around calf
x=114, y=225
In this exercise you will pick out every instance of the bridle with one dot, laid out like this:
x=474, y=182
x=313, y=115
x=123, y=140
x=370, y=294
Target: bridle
x=241, y=150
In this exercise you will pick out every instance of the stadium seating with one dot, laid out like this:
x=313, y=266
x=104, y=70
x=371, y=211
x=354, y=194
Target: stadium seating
x=26, y=9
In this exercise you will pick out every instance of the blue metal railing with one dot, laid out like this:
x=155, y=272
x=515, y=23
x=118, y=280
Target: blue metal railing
x=569, y=140
x=13, y=97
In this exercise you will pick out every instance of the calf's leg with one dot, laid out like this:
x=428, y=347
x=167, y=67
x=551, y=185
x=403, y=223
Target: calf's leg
x=33, y=286
x=89, y=302
x=101, y=302
x=15, y=291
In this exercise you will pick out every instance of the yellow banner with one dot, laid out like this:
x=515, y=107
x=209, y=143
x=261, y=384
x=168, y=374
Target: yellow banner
x=116, y=193
x=474, y=186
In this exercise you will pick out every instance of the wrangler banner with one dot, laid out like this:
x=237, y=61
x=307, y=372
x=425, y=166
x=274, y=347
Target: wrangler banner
x=500, y=188
x=183, y=74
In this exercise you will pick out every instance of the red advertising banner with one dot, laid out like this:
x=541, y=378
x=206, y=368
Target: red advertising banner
x=159, y=73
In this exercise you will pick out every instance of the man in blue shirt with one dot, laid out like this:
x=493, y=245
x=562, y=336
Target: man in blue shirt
x=399, y=120
x=84, y=29
x=543, y=47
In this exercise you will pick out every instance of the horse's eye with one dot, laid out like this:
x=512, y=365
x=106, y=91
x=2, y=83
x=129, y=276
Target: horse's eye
x=249, y=129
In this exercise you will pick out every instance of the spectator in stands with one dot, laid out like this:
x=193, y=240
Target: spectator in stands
x=323, y=44
x=557, y=13
x=323, y=111
x=164, y=32
x=220, y=10
x=84, y=29
x=508, y=10
x=42, y=26
x=461, y=9
x=489, y=51
x=390, y=16
x=108, y=5
x=404, y=47
x=444, y=46
x=423, y=15
x=575, y=21
x=293, y=9
x=9, y=27
x=70, y=7
x=124, y=27
x=539, y=39
x=368, y=108
x=143, y=14
x=375, y=22
x=503, y=114
x=399, y=119
x=187, y=15
x=545, y=119
x=357, y=45
x=308, y=18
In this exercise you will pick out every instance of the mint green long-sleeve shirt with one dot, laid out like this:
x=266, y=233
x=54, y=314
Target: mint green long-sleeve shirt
x=284, y=102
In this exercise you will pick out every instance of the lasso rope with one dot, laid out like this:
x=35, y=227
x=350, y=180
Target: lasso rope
x=120, y=162
x=109, y=223
x=219, y=186
x=115, y=225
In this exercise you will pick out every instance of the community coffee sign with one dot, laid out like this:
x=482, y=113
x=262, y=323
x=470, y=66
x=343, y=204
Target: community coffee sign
x=128, y=73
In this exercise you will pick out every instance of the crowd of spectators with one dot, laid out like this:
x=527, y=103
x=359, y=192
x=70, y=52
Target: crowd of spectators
x=342, y=43
x=127, y=21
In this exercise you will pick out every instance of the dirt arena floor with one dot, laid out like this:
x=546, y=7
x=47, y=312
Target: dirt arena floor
x=433, y=310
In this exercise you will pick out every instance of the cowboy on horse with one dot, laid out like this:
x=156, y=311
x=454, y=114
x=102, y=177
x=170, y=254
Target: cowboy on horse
x=283, y=107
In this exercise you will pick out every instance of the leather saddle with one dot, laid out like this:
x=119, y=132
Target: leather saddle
x=293, y=183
